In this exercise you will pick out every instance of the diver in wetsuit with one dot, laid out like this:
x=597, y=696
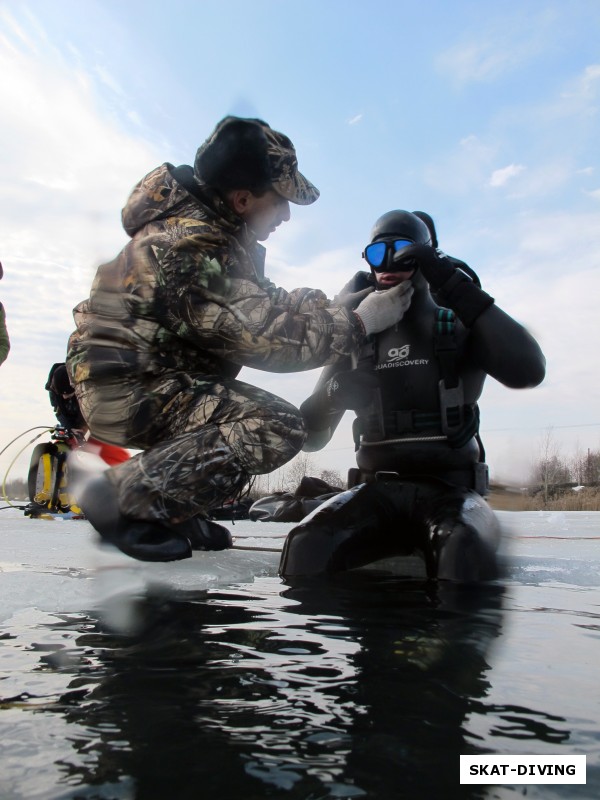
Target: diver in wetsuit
x=421, y=474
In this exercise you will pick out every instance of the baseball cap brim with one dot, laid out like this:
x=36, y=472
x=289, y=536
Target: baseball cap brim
x=296, y=188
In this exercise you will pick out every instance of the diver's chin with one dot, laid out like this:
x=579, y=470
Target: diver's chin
x=386, y=280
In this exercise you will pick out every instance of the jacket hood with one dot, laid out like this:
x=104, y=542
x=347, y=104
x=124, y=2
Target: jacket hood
x=171, y=192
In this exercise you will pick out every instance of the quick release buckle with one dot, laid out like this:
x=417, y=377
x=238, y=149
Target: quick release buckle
x=451, y=407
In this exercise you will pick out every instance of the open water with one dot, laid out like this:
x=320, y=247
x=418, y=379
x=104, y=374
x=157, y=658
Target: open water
x=232, y=684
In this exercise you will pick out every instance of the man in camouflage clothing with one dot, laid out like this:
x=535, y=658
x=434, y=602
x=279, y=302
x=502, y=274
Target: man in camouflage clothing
x=171, y=321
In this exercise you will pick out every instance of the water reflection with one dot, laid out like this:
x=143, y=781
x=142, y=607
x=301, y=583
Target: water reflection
x=361, y=687
x=420, y=665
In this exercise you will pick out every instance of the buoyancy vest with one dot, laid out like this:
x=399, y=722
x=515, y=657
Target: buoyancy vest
x=422, y=394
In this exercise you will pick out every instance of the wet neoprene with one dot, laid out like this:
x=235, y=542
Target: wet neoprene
x=351, y=389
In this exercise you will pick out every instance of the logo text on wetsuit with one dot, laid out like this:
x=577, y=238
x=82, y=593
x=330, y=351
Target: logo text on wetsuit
x=398, y=357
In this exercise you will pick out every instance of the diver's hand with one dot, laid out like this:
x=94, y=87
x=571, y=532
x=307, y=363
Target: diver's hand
x=350, y=390
x=453, y=287
x=382, y=309
x=434, y=264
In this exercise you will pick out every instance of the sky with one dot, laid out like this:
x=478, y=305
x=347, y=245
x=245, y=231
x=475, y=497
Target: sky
x=484, y=114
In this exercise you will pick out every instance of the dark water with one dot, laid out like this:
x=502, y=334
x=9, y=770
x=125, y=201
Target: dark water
x=367, y=687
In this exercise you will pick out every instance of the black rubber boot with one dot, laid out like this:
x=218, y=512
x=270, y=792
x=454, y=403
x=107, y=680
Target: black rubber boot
x=204, y=534
x=141, y=539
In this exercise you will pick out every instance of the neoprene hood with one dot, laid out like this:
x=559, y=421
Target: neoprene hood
x=401, y=225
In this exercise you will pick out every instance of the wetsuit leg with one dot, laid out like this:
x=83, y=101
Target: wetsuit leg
x=354, y=528
x=454, y=529
x=462, y=534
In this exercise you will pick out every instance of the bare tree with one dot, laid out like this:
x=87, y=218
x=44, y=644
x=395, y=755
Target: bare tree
x=592, y=467
x=578, y=466
x=300, y=466
x=550, y=469
x=270, y=483
x=332, y=477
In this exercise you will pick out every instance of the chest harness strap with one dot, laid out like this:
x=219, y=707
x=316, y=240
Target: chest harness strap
x=450, y=386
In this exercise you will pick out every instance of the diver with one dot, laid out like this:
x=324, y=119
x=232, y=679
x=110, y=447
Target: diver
x=421, y=476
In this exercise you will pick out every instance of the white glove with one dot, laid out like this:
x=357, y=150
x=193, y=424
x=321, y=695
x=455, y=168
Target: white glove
x=382, y=309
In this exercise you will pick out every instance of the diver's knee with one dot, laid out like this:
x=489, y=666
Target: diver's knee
x=461, y=553
x=305, y=553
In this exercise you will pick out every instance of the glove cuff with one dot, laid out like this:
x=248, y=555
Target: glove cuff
x=467, y=300
x=365, y=320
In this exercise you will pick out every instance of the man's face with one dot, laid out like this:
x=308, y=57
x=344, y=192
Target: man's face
x=264, y=214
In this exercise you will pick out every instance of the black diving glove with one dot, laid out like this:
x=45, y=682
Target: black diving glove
x=434, y=264
x=453, y=288
x=353, y=389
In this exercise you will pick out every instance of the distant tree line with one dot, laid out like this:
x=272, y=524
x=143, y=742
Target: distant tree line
x=288, y=478
x=16, y=489
x=553, y=474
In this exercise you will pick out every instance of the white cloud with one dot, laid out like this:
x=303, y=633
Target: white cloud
x=67, y=170
x=573, y=110
x=109, y=80
x=586, y=86
x=503, y=44
x=355, y=120
x=501, y=176
x=550, y=281
x=463, y=167
x=475, y=61
x=328, y=270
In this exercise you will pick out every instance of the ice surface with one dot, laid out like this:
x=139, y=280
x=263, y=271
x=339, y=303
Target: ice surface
x=57, y=565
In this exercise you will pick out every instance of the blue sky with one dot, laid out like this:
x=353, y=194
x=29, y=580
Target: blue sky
x=485, y=114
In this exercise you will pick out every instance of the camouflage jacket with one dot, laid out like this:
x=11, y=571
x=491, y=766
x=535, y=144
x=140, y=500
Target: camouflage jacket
x=188, y=293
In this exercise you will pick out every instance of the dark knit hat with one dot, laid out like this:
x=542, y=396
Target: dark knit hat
x=249, y=154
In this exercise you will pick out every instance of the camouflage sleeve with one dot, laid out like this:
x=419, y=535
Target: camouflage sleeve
x=251, y=325
x=4, y=340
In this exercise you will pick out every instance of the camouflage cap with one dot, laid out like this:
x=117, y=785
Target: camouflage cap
x=287, y=180
x=242, y=153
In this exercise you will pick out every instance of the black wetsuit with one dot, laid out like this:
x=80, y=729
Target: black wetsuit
x=426, y=435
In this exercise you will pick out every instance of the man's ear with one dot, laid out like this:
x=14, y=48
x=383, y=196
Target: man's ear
x=241, y=201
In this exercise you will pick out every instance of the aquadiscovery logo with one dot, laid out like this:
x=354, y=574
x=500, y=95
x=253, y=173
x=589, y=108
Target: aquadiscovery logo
x=398, y=353
x=399, y=357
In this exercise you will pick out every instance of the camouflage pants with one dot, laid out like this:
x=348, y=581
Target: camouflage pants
x=201, y=439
